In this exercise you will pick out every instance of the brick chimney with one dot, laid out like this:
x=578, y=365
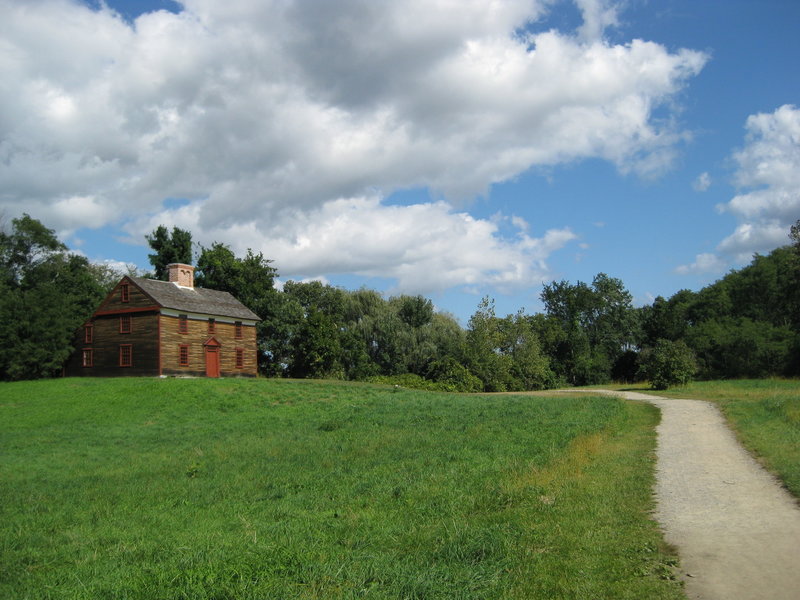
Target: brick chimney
x=181, y=274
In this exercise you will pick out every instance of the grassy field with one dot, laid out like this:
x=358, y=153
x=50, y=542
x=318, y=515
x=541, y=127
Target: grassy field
x=147, y=488
x=766, y=416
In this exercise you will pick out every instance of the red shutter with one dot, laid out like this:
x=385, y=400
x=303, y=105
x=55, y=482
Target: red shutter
x=125, y=355
x=183, y=361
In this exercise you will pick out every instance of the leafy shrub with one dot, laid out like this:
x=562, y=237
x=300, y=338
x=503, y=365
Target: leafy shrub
x=668, y=364
x=451, y=376
x=460, y=380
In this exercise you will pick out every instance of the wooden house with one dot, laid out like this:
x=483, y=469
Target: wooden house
x=148, y=327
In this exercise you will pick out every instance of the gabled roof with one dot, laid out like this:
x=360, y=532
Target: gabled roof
x=194, y=300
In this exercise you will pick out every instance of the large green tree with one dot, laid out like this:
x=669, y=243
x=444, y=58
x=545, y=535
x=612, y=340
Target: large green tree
x=530, y=367
x=746, y=324
x=317, y=348
x=325, y=331
x=45, y=294
x=309, y=340
x=175, y=247
x=598, y=327
x=484, y=355
x=794, y=282
x=25, y=247
x=505, y=352
x=666, y=319
x=250, y=279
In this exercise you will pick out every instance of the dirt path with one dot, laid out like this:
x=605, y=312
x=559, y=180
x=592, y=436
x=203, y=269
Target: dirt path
x=737, y=531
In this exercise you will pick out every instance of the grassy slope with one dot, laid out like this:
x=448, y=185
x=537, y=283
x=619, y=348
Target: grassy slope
x=766, y=416
x=142, y=488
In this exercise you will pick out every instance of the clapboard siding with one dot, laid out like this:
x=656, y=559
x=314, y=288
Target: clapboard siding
x=105, y=347
x=196, y=336
x=171, y=340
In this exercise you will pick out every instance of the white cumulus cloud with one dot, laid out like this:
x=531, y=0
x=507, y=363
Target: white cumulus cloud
x=286, y=125
x=426, y=247
x=706, y=263
x=768, y=173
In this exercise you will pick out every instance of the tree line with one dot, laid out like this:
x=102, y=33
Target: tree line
x=747, y=324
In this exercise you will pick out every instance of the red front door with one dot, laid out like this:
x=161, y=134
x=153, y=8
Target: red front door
x=212, y=361
x=212, y=357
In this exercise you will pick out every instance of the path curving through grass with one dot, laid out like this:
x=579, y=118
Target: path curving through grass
x=737, y=530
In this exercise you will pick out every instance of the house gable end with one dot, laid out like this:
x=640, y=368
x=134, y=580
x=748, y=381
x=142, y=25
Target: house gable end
x=127, y=296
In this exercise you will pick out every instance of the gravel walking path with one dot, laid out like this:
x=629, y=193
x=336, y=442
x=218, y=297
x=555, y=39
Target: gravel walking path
x=736, y=529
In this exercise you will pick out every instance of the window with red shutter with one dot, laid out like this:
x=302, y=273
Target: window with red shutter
x=124, y=323
x=239, y=358
x=183, y=358
x=125, y=355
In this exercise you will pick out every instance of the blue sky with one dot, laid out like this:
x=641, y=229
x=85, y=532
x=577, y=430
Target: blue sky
x=412, y=146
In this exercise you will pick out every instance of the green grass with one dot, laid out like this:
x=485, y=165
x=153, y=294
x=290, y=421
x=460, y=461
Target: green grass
x=765, y=413
x=147, y=488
